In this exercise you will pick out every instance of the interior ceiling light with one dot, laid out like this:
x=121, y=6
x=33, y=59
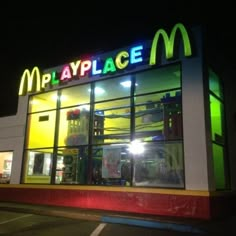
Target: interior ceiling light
x=127, y=84
x=98, y=90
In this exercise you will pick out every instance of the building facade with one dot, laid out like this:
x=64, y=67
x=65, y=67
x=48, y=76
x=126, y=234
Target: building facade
x=139, y=129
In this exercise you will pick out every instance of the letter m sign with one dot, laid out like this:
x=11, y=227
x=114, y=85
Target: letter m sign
x=169, y=43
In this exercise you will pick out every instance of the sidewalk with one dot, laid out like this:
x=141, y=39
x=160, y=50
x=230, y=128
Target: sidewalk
x=211, y=227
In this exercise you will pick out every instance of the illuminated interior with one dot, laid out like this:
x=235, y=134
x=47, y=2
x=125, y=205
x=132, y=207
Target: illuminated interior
x=217, y=130
x=5, y=167
x=39, y=164
x=104, y=117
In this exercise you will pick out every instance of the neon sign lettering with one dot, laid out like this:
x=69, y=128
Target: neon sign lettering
x=35, y=82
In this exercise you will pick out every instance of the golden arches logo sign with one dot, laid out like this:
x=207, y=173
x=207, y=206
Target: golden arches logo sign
x=169, y=43
x=33, y=81
x=30, y=81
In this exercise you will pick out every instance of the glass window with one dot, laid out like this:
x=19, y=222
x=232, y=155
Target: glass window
x=154, y=109
x=217, y=112
x=157, y=80
x=112, y=88
x=158, y=116
x=217, y=131
x=38, y=166
x=76, y=95
x=218, y=159
x=112, y=121
x=72, y=166
x=111, y=165
x=74, y=126
x=160, y=165
x=41, y=128
x=5, y=167
x=43, y=101
x=215, y=84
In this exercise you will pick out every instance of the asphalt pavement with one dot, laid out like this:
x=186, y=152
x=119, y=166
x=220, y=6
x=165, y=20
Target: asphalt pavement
x=225, y=226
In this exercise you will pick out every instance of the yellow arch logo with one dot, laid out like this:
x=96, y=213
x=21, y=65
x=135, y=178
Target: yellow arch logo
x=32, y=80
x=169, y=43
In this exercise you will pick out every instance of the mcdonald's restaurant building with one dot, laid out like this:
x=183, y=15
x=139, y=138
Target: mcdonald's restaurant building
x=142, y=129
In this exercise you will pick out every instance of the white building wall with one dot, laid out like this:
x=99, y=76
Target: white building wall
x=12, y=132
x=196, y=132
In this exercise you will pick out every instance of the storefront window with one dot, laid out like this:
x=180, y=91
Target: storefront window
x=74, y=126
x=5, y=167
x=158, y=116
x=165, y=78
x=111, y=165
x=159, y=165
x=220, y=162
x=43, y=102
x=112, y=88
x=41, y=129
x=72, y=166
x=76, y=95
x=112, y=121
x=144, y=107
x=38, y=166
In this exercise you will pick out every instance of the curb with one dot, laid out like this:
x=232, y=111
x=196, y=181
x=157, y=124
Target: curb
x=152, y=224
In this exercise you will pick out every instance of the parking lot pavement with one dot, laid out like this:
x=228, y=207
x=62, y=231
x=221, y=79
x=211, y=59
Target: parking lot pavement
x=216, y=227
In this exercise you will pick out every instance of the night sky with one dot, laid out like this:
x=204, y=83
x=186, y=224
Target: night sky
x=48, y=41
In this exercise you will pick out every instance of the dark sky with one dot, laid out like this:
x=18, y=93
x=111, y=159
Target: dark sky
x=48, y=41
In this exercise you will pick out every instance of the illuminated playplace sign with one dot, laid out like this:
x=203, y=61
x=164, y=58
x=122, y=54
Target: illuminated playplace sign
x=34, y=81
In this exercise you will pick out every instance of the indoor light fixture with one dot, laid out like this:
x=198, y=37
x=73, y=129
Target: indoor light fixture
x=136, y=147
x=61, y=98
x=127, y=84
x=98, y=90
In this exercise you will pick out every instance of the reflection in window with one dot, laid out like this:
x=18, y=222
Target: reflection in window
x=112, y=121
x=111, y=165
x=158, y=116
x=160, y=165
x=72, y=166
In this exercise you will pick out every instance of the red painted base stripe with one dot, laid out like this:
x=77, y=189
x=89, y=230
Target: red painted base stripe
x=133, y=202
